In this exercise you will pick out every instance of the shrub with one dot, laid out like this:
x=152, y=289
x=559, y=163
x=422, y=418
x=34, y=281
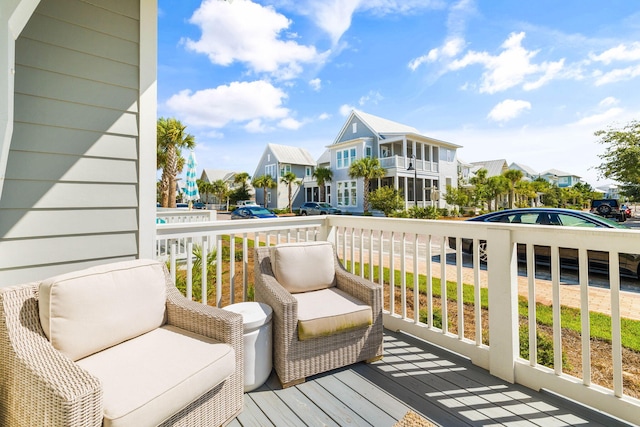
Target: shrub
x=544, y=354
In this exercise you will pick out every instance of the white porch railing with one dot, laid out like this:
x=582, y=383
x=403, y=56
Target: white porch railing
x=367, y=245
x=401, y=162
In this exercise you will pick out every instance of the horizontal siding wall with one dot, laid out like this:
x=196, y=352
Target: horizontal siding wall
x=71, y=196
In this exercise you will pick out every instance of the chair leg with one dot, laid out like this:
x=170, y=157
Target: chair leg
x=373, y=359
x=292, y=383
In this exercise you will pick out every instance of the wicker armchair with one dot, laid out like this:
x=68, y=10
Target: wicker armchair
x=296, y=359
x=40, y=386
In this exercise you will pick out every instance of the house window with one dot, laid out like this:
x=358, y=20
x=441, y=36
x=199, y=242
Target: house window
x=270, y=170
x=269, y=197
x=269, y=157
x=347, y=194
x=354, y=127
x=307, y=171
x=284, y=169
x=345, y=157
x=367, y=152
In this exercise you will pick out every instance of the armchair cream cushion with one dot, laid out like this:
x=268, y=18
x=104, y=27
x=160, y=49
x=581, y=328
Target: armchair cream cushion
x=87, y=311
x=330, y=311
x=304, y=266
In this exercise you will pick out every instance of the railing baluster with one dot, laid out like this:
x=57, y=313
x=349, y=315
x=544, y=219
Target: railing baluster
x=218, y=270
x=189, y=270
x=429, y=256
x=416, y=283
x=531, y=273
x=392, y=255
x=585, y=324
x=557, y=324
x=352, y=255
x=616, y=334
x=204, y=266
x=476, y=294
x=443, y=287
x=232, y=268
x=403, y=275
x=245, y=266
x=371, y=261
x=172, y=262
x=459, y=292
x=361, y=252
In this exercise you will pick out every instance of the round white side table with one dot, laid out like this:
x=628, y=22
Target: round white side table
x=256, y=319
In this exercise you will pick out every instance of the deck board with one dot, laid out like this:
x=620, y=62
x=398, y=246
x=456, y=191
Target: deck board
x=413, y=375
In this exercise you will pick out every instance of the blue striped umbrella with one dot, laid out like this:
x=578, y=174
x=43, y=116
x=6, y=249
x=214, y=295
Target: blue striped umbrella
x=191, y=187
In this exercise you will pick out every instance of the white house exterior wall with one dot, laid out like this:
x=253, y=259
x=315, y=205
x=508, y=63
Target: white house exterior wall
x=80, y=182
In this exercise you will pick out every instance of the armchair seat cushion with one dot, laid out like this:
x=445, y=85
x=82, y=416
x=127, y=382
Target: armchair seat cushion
x=153, y=376
x=329, y=311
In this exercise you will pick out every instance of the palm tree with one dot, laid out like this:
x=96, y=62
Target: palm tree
x=322, y=176
x=497, y=185
x=171, y=138
x=220, y=190
x=289, y=179
x=366, y=168
x=513, y=175
x=204, y=188
x=264, y=182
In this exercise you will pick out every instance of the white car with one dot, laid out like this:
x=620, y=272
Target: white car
x=246, y=203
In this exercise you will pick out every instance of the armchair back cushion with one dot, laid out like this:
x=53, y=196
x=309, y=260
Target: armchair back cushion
x=303, y=267
x=89, y=310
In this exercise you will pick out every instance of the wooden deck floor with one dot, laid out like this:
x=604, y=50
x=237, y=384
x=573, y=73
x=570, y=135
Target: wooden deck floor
x=414, y=375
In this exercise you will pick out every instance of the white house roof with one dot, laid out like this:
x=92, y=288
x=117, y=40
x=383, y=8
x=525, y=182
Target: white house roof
x=523, y=168
x=381, y=126
x=325, y=157
x=292, y=155
x=557, y=172
x=493, y=167
x=216, y=174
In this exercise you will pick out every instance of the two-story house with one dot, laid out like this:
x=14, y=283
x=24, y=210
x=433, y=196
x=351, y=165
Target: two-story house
x=276, y=161
x=560, y=178
x=398, y=146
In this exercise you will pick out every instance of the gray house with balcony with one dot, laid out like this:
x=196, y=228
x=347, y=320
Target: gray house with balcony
x=397, y=146
x=276, y=160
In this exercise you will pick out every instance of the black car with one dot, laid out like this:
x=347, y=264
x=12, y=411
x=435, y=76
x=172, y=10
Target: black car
x=199, y=205
x=609, y=208
x=318, y=208
x=598, y=261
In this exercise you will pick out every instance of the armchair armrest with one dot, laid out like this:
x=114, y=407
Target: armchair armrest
x=360, y=288
x=213, y=322
x=38, y=384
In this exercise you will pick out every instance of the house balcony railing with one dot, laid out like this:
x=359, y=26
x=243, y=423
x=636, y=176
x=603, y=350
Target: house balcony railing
x=368, y=245
x=401, y=162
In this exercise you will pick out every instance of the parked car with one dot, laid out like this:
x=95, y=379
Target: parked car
x=598, y=261
x=246, y=203
x=609, y=208
x=316, y=208
x=251, y=212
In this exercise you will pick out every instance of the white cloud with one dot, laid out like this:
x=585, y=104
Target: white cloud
x=608, y=101
x=324, y=116
x=256, y=126
x=508, y=109
x=618, y=75
x=373, y=97
x=345, y=109
x=250, y=33
x=335, y=16
x=600, y=119
x=450, y=49
x=618, y=53
x=290, y=123
x=512, y=67
x=237, y=102
x=316, y=84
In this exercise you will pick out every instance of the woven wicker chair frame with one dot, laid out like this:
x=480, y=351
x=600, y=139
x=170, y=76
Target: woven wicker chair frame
x=295, y=360
x=41, y=387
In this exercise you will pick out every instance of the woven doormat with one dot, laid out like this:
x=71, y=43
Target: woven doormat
x=411, y=419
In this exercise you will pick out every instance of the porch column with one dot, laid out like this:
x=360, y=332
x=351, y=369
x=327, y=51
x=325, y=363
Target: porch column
x=404, y=153
x=503, y=303
x=14, y=15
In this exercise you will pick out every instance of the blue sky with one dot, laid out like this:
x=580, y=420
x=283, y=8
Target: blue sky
x=527, y=81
